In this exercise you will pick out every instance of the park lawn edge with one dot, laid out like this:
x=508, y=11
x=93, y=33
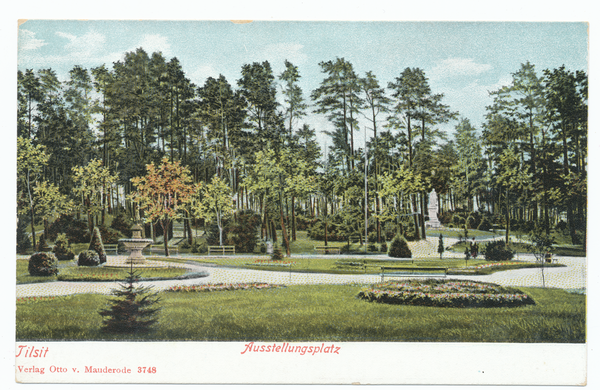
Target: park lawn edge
x=312, y=313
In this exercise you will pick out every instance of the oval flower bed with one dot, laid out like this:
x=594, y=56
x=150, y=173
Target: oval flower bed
x=272, y=263
x=445, y=293
x=221, y=287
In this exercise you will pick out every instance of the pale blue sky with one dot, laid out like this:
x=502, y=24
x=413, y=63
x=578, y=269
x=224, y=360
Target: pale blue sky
x=463, y=60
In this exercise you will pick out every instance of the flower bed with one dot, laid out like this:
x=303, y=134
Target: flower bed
x=447, y=293
x=272, y=263
x=222, y=287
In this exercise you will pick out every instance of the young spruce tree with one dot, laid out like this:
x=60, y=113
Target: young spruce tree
x=133, y=310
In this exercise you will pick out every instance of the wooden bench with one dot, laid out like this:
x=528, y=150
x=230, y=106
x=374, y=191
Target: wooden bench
x=415, y=271
x=328, y=249
x=111, y=248
x=221, y=249
x=161, y=248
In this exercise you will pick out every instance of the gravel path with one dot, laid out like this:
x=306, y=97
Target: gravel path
x=573, y=276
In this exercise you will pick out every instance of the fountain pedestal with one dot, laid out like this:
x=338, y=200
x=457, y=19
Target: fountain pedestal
x=135, y=245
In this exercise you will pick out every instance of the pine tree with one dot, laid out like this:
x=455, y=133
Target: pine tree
x=97, y=246
x=133, y=310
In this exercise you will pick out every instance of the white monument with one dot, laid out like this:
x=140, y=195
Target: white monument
x=432, y=207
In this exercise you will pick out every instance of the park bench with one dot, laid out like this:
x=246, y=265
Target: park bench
x=414, y=271
x=161, y=248
x=111, y=248
x=221, y=249
x=328, y=249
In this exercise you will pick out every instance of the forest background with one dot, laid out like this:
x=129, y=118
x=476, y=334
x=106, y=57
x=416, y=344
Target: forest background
x=86, y=142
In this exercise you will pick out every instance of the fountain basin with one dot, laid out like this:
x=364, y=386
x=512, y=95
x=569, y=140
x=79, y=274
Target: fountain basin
x=135, y=246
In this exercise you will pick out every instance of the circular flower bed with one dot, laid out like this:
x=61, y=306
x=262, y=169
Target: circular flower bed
x=445, y=293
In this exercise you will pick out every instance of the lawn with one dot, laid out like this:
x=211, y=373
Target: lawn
x=311, y=313
x=69, y=271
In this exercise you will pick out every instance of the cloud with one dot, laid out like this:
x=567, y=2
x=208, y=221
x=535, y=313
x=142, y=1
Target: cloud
x=463, y=99
x=152, y=43
x=201, y=73
x=452, y=67
x=83, y=47
x=28, y=41
x=279, y=52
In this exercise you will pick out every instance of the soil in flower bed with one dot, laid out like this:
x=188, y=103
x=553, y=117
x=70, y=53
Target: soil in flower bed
x=445, y=293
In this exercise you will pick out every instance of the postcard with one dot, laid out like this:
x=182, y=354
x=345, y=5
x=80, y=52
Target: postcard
x=301, y=202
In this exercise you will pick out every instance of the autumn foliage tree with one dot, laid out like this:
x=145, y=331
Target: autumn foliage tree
x=163, y=193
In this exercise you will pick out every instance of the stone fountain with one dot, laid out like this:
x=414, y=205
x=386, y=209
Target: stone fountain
x=135, y=245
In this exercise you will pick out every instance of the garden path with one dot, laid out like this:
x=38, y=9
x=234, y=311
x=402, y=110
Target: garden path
x=573, y=276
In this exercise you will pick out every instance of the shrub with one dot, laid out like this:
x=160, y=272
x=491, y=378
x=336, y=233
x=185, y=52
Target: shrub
x=110, y=235
x=88, y=259
x=121, y=224
x=23, y=241
x=212, y=237
x=383, y=248
x=184, y=245
x=133, y=310
x=497, y=250
x=62, y=249
x=372, y=248
x=76, y=230
x=244, y=231
x=561, y=225
x=277, y=253
x=43, y=264
x=485, y=225
x=345, y=248
x=440, y=248
x=199, y=246
x=263, y=248
x=96, y=245
x=399, y=248
x=372, y=237
x=41, y=245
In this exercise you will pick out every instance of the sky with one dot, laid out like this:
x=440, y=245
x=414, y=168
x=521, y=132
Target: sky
x=462, y=60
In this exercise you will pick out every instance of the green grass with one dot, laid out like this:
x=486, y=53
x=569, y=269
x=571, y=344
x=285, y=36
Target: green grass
x=24, y=277
x=333, y=264
x=74, y=273
x=315, y=313
x=109, y=273
x=456, y=233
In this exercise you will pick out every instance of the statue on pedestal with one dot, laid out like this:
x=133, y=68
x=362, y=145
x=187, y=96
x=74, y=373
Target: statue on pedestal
x=432, y=208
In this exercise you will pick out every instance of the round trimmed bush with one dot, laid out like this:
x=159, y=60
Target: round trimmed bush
x=497, y=250
x=88, y=259
x=43, y=264
x=61, y=250
x=399, y=248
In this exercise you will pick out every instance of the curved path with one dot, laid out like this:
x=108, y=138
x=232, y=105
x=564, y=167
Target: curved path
x=573, y=276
